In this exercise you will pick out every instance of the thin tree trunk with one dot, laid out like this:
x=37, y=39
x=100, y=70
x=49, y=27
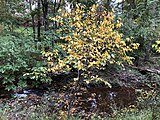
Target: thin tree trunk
x=55, y=9
x=45, y=13
x=33, y=23
x=54, y=12
x=39, y=22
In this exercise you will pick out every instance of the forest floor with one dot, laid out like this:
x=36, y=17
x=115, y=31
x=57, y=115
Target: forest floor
x=134, y=95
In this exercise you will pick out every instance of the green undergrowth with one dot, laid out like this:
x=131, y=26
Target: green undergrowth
x=146, y=114
x=20, y=59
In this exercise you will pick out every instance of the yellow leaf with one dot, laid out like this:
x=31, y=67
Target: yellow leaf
x=158, y=41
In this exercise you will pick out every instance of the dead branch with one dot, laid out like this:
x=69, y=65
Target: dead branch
x=145, y=70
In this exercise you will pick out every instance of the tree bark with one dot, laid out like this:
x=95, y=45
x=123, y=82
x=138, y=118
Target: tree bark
x=55, y=9
x=45, y=14
x=33, y=23
x=39, y=22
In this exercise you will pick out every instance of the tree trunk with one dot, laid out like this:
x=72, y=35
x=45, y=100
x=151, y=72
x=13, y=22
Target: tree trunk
x=45, y=13
x=55, y=9
x=33, y=23
x=39, y=22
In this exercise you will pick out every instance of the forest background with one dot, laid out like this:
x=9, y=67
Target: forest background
x=80, y=44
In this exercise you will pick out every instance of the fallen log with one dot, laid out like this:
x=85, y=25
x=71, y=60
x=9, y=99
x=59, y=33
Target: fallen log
x=145, y=70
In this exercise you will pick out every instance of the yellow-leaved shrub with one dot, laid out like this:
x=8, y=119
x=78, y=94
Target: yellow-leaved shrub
x=91, y=40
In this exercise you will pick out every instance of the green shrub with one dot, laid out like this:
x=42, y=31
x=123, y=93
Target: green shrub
x=18, y=56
